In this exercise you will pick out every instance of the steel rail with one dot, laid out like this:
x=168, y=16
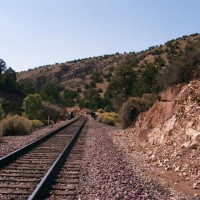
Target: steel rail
x=19, y=152
x=46, y=181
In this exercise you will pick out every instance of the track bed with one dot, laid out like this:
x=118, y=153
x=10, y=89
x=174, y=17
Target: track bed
x=20, y=178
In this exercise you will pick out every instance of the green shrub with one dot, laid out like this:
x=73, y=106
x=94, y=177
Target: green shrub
x=36, y=124
x=97, y=77
x=32, y=106
x=51, y=92
x=15, y=125
x=70, y=97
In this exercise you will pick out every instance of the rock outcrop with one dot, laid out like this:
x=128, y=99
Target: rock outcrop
x=166, y=139
x=175, y=119
x=171, y=129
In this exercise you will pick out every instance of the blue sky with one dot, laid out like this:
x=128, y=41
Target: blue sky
x=40, y=32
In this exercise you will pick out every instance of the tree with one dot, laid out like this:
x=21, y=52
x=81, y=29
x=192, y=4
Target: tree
x=8, y=79
x=51, y=92
x=97, y=77
x=27, y=87
x=70, y=97
x=149, y=77
x=135, y=105
x=147, y=82
x=2, y=66
x=91, y=99
x=121, y=85
x=32, y=106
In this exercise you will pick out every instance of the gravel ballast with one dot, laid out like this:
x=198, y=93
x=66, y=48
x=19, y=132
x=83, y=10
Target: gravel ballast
x=106, y=174
x=8, y=144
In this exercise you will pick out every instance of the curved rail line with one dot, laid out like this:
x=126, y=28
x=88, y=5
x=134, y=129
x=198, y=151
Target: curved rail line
x=26, y=173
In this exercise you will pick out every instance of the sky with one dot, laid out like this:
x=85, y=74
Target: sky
x=34, y=33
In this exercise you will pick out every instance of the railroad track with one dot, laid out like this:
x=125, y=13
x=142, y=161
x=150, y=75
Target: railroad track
x=65, y=182
x=41, y=171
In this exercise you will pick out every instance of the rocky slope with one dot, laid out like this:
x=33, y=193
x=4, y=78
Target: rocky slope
x=166, y=138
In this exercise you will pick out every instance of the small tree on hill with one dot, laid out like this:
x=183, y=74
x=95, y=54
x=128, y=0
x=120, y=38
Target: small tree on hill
x=8, y=79
x=51, y=92
x=27, y=87
x=121, y=85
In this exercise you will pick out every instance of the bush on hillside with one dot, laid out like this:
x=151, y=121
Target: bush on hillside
x=15, y=125
x=91, y=99
x=50, y=91
x=114, y=115
x=110, y=118
x=53, y=112
x=70, y=97
x=36, y=123
x=133, y=106
x=97, y=77
x=106, y=119
x=32, y=106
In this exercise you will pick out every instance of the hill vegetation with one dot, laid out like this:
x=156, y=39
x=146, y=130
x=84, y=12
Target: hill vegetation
x=21, y=108
x=125, y=83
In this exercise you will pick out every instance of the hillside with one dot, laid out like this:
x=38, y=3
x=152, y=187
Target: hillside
x=166, y=139
x=161, y=141
x=76, y=74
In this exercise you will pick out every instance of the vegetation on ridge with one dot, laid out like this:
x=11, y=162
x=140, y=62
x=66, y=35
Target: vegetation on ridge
x=124, y=83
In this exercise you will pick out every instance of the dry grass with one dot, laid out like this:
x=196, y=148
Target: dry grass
x=15, y=125
x=36, y=124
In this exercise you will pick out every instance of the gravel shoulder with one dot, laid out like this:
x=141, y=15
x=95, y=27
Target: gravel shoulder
x=108, y=173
